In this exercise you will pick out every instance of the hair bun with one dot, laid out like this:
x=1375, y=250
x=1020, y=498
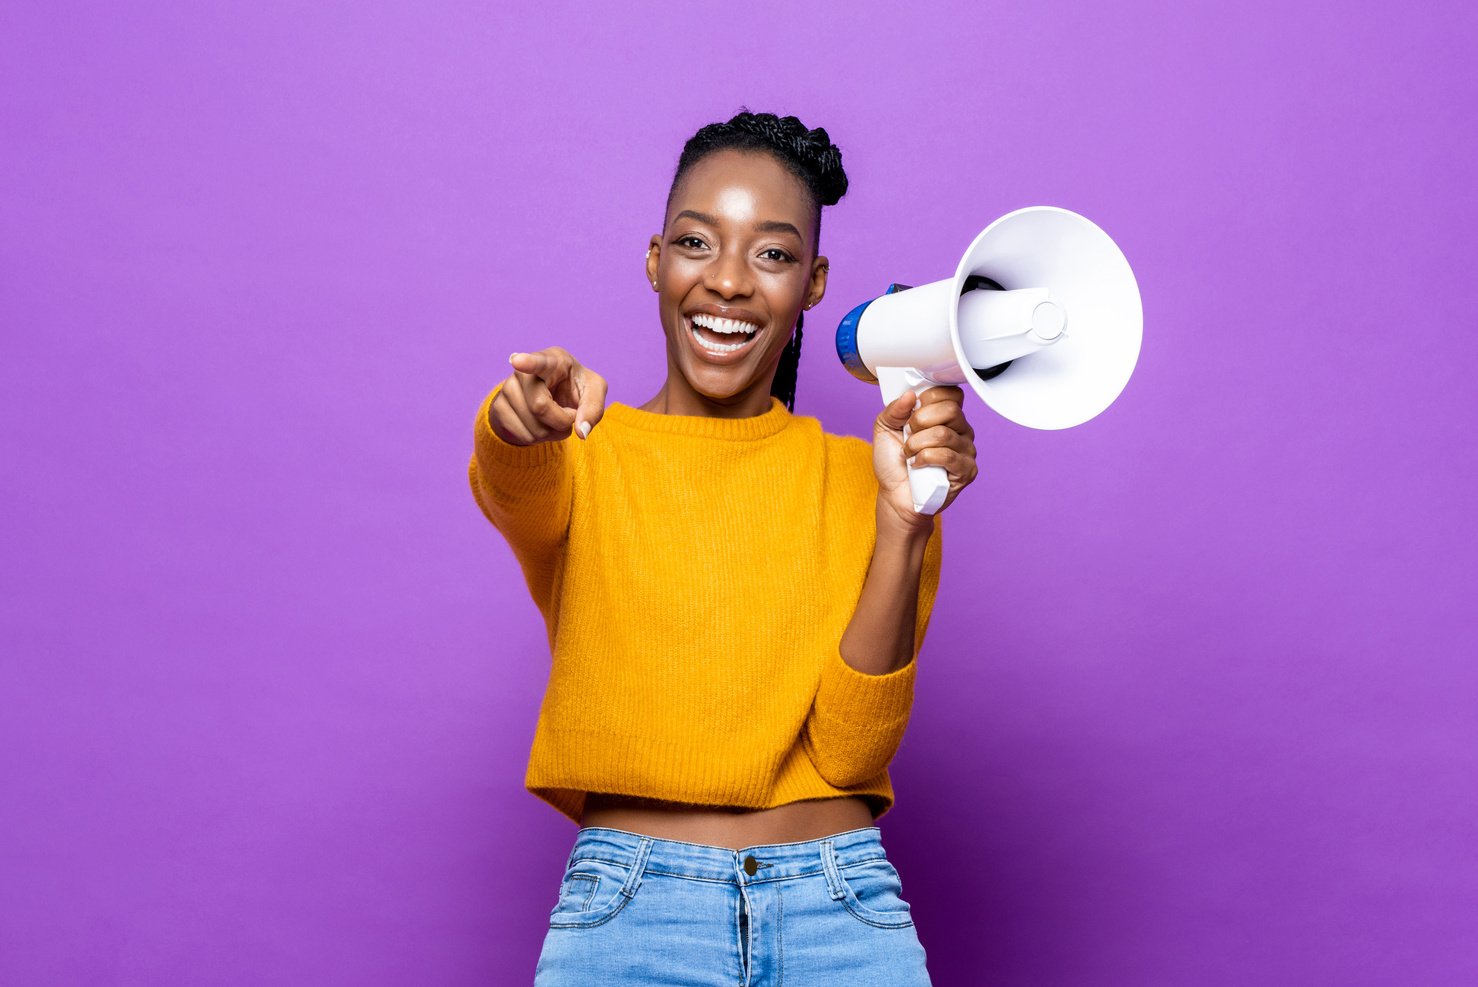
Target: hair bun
x=812, y=149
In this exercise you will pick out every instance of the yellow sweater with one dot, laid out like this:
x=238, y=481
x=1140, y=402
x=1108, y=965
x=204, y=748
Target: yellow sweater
x=695, y=576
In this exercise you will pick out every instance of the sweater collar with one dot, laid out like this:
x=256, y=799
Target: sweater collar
x=742, y=429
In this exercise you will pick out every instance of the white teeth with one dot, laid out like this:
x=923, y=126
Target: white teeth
x=722, y=325
x=719, y=347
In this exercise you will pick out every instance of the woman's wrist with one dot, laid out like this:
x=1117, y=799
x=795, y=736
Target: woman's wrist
x=911, y=532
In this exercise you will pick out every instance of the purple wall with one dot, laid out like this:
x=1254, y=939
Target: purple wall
x=269, y=678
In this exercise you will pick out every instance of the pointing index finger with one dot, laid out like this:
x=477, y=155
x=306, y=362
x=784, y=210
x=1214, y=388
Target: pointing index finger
x=541, y=364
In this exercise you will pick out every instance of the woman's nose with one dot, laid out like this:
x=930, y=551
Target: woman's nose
x=729, y=276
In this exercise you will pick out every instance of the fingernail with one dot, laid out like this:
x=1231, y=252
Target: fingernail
x=512, y=355
x=584, y=429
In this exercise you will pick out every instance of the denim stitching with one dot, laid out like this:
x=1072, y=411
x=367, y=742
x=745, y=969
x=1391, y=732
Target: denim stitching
x=624, y=894
x=605, y=860
x=747, y=938
x=780, y=939
x=829, y=868
x=710, y=846
x=594, y=880
x=854, y=905
x=739, y=936
x=723, y=880
x=638, y=866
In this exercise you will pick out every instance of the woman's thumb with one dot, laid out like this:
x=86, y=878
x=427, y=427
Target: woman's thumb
x=897, y=412
x=592, y=390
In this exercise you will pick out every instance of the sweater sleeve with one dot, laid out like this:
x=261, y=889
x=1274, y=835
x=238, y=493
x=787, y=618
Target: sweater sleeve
x=857, y=720
x=526, y=492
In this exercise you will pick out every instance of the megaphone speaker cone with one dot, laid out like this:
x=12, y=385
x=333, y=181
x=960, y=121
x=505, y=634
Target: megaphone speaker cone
x=1093, y=290
x=1042, y=319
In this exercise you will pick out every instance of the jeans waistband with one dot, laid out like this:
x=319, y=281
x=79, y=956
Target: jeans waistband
x=771, y=861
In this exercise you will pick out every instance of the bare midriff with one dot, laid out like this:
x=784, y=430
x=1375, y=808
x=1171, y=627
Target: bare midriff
x=727, y=826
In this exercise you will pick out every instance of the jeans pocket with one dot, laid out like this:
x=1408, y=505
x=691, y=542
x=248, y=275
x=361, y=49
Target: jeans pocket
x=595, y=889
x=870, y=889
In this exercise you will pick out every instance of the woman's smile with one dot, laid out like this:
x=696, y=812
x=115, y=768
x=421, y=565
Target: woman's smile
x=722, y=335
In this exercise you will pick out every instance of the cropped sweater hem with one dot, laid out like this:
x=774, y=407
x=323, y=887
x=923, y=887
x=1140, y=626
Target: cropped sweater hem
x=679, y=772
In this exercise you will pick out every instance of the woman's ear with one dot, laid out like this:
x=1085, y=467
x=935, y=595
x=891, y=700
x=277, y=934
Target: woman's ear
x=654, y=252
x=817, y=288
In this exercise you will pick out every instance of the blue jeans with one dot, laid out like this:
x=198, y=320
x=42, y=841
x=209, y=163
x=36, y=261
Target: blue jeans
x=635, y=909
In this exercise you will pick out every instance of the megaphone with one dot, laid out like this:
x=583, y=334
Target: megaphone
x=1042, y=319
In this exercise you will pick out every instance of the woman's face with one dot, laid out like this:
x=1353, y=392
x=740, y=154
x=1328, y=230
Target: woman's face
x=738, y=246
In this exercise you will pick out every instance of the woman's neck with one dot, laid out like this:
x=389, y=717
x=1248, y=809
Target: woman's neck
x=679, y=398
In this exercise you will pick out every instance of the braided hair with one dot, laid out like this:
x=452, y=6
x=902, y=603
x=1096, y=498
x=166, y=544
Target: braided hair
x=808, y=155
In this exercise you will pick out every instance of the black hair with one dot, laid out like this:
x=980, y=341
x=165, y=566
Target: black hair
x=809, y=155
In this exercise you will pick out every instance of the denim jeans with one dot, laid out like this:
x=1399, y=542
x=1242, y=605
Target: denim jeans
x=634, y=909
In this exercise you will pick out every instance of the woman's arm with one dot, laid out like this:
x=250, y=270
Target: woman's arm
x=865, y=695
x=866, y=692
x=880, y=637
x=525, y=491
x=524, y=457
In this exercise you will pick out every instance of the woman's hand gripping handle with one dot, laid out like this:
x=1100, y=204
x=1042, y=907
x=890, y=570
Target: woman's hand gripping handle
x=932, y=438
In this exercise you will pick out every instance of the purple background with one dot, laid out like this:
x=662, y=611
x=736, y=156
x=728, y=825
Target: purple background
x=1198, y=704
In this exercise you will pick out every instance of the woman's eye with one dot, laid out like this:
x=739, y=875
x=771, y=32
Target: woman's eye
x=777, y=250
x=683, y=241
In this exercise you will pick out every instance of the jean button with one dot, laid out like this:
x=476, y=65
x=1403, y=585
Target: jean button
x=750, y=865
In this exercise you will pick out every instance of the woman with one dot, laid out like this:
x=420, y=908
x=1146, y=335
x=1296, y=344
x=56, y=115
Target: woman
x=734, y=599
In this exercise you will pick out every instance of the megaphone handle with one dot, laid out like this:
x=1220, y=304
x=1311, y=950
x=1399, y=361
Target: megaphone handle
x=928, y=486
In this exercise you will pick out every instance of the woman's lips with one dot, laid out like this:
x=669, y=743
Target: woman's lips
x=719, y=347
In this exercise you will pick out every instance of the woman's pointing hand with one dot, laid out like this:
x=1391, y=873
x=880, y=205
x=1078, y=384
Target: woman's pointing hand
x=548, y=394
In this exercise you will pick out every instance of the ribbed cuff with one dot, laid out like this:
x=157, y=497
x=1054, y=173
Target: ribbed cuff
x=858, y=721
x=863, y=700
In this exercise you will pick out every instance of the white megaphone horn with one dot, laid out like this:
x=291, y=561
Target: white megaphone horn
x=1042, y=318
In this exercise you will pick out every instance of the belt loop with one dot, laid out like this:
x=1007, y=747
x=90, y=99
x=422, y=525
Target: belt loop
x=829, y=865
x=638, y=866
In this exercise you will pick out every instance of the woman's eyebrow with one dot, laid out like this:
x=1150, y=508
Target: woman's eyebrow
x=768, y=226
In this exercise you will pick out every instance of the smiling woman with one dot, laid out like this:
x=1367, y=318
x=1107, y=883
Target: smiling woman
x=738, y=261
x=724, y=755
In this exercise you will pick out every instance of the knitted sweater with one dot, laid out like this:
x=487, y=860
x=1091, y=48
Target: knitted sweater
x=695, y=576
